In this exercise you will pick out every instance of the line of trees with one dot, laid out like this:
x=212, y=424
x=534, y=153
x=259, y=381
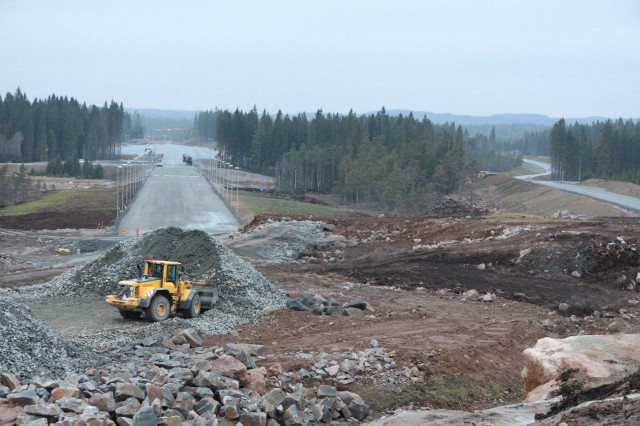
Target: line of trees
x=395, y=162
x=605, y=150
x=59, y=127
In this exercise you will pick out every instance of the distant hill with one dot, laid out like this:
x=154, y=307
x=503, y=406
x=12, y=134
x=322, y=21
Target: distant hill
x=503, y=119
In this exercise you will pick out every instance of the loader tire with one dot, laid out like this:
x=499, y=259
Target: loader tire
x=158, y=309
x=130, y=314
x=194, y=309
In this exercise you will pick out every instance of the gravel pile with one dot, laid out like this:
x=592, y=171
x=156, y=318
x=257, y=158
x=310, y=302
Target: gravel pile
x=27, y=345
x=244, y=292
x=287, y=240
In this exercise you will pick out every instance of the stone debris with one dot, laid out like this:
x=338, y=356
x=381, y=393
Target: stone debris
x=27, y=345
x=158, y=384
x=320, y=306
x=344, y=368
x=291, y=241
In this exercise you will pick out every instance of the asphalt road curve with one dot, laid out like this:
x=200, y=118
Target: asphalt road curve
x=624, y=201
x=176, y=195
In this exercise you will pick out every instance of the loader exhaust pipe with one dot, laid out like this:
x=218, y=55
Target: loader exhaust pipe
x=139, y=270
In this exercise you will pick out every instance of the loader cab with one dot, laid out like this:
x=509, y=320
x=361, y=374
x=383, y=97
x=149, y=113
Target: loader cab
x=163, y=270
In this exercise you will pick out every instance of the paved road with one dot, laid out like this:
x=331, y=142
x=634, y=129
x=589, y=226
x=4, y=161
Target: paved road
x=600, y=194
x=176, y=195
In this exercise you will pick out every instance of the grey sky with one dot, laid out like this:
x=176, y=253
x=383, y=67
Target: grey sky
x=561, y=58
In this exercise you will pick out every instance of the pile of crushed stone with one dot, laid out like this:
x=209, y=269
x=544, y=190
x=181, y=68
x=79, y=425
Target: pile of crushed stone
x=244, y=292
x=28, y=346
x=287, y=240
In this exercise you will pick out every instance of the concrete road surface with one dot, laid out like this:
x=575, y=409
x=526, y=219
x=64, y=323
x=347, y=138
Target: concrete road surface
x=600, y=194
x=176, y=195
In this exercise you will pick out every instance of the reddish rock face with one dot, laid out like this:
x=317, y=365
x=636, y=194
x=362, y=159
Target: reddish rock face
x=591, y=355
x=9, y=412
x=255, y=380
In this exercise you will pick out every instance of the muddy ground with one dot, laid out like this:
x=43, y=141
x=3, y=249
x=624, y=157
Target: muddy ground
x=413, y=271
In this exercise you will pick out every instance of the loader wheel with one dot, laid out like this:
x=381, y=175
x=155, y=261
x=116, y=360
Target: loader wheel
x=130, y=314
x=159, y=309
x=194, y=309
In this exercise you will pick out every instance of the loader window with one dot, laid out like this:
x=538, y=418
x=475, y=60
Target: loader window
x=156, y=270
x=171, y=273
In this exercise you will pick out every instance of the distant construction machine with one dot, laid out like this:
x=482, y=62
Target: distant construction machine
x=159, y=291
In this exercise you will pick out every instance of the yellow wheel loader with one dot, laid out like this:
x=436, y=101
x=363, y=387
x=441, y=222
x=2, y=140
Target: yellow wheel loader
x=159, y=291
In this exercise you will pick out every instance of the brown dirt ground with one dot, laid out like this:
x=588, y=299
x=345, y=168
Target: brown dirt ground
x=86, y=219
x=478, y=342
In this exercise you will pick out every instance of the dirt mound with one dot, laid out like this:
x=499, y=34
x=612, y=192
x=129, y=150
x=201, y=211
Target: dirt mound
x=27, y=345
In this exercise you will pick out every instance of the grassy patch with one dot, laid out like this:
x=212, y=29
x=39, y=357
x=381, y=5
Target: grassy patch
x=260, y=204
x=439, y=391
x=70, y=200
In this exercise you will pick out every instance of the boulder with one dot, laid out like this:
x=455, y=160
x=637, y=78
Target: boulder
x=326, y=390
x=73, y=405
x=272, y=399
x=253, y=419
x=242, y=355
x=25, y=397
x=146, y=416
x=592, y=355
x=184, y=403
x=9, y=380
x=215, y=381
x=43, y=410
x=206, y=405
x=353, y=312
x=192, y=337
x=66, y=391
x=127, y=390
x=253, y=350
x=470, y=295
x=228, y=366
x=255, y=380
x=128, y=408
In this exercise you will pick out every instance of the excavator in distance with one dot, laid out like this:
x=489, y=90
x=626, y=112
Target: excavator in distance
x=159, y=291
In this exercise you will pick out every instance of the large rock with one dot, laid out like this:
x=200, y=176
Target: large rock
x=9, y=380
x=254, y=350
x=192, y=337
x=272, y=399
x=104, y=401
x=146, y=416
x=25, y=397
x=594, y=356
x=228, y=366
x=127, y=390
x=255, y=380
x=66, y=391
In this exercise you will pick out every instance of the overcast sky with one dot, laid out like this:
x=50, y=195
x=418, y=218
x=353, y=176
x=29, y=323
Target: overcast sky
x=560, y=58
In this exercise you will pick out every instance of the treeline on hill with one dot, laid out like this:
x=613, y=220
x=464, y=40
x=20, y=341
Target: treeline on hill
x=395, y=162
x=59, y=127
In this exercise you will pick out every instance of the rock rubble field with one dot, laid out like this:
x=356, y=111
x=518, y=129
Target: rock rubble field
x=173, y=380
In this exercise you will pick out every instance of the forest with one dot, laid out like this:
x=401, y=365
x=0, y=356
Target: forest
x=59, y=127
x=399, y=163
